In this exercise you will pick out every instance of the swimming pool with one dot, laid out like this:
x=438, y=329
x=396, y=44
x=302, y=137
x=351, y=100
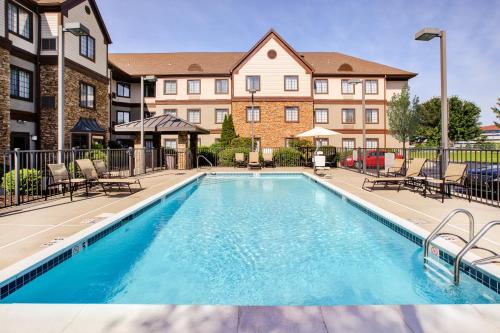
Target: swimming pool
x=249, y=240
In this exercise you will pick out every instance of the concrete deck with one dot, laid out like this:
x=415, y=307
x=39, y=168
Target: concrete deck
x=21, y=318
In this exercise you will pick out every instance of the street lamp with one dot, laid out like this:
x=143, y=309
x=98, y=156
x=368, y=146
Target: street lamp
x=252, y=92
x=77, y=29
x=426, y=35
x=147, y=78
x=354, y=82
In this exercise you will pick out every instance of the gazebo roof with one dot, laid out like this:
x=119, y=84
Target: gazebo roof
x=87, y=125
x=161, y=124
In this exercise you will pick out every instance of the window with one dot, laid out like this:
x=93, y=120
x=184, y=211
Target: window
x=347, y=116
x=122, y=117
x=253, y=83
x=320, y=142
x=19, y=21
x=291, y=83
x=321, y=116
x=291, y=114
x=149, y=89
x=220, y=114
x=170, y=143
x=194, y=116
x=371, y=87
x=170, y=112
x=170, y=87
x=20, y=83
x=193, y=86
x=123, y=89
x=256, y=114
x=321, y=86
x=87, y=47
x=87, y=96
x=48, y=44
x=371, y=143
x=372, y=116
x=221, y=86
x=347, y=88
x=348, y=143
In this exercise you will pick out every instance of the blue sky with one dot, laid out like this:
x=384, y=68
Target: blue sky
x=377, y=30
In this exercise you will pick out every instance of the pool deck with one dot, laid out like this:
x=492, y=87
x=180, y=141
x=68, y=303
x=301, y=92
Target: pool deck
x=27, y=229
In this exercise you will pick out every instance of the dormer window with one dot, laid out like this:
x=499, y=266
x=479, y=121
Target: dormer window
x=87, y=47
x=20, y=21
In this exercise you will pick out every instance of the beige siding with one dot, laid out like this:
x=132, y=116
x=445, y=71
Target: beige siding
x=49, y=29
x=207, y=113
x=24, y=127
x=394, y=87
x=206, y=139
x=72, y=43
x=335, y=116
x=23, y=43
x=2, y=18
x=272, y=72
x=135, y=93
x=335, y=90
x=21, y=105
x=207, y=89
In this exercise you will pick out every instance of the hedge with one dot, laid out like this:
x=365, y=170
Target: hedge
x=29, y=181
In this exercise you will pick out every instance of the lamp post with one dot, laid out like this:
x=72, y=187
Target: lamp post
x=77, y=29
x=252, y=92
x=148, y=78
x=426, y=35
x=354, y=82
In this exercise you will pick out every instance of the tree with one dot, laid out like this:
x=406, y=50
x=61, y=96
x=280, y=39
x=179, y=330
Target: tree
x=463, y=120
x=228, y=132
x=496, y=111
x=403, y=115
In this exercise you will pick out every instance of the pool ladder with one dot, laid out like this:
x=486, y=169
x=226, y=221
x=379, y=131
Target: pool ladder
x=441, y=270
x=206, y=159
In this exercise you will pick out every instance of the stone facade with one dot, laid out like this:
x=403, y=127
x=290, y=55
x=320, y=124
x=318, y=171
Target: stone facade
x=272, y=129
x=72, y=109
x=4, y=99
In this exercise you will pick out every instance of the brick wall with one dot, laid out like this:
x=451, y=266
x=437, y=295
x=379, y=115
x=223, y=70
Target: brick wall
x=272, y=128
x=72, y=110
x=4, y=99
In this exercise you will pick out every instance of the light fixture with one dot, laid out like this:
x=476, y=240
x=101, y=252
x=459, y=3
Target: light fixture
x=77, y=29
x=354, y=81
x=34, y=138
x=427, y=34
x=150, y=78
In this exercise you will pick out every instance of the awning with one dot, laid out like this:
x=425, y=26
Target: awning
x=167, y=124
x=87, y=125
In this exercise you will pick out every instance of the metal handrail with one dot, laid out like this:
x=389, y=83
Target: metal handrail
x=470, y=245
x=434, y=234
x=206, y=159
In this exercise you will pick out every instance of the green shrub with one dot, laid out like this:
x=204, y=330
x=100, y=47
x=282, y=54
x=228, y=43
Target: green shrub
x=240, y=142
x=29, y=181
x=226, y=156
x=228, y=132
x=300, y=143
x=287, y=157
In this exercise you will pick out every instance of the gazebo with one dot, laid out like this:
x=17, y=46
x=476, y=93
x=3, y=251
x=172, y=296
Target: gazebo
x=163, y=125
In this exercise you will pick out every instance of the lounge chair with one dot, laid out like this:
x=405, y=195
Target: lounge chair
x=455, y=175
x=268, y=160
x=253, y=161
x=397, y=169
x=239, y=160
x=319, y=165
x=61, y=177
x=102, y=170
x=90, y=173
x=413, y=171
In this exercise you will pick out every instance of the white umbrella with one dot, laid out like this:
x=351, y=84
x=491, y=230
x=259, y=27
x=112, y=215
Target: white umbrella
x=317, y=132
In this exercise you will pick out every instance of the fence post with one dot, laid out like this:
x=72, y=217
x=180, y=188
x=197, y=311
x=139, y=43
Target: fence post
x=17, y=181
x=161, y=158
x=108, y=158
x=131, y=160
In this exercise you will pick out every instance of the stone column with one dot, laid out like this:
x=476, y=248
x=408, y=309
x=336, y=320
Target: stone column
x=139, y=155
x=4, y=99
x=181, y=151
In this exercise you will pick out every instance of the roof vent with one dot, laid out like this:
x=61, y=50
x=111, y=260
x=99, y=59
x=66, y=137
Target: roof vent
x=345, y=67
x=195, y=68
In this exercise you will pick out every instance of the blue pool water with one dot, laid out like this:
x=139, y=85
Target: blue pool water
x=269, y=240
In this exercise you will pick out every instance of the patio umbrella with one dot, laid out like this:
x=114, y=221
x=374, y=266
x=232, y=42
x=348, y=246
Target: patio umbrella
x=317, y=132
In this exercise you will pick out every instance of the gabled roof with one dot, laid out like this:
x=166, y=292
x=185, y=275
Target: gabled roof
x=272, y=35
x=161, y=124
x=492, y=127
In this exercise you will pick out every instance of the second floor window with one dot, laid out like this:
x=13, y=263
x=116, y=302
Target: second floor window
x=347, y=116
x=87, y=47
x=253, y=83
x=292, y=114
x=170, y=112
x=371, y=87
x=221, y=86
x=123, y=89
x=20, y=83
x=321, y=86
x=194, y=116
x=19, y=21
x=291, y=83
x=220, y=114
x=193, y=86
x=346, y=87
x=255, y=116
x=87, y=96
x=122, y=117
x=170, y=87
x=372, y=116
x=321, y=116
